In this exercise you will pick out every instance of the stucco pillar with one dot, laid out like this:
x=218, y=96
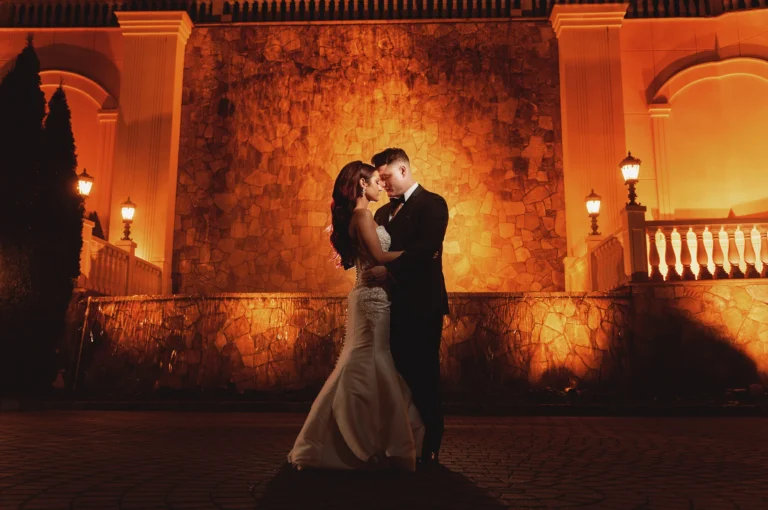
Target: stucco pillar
x=659, y=114
x=147, y=143
x=592, y=108
x=106, y=157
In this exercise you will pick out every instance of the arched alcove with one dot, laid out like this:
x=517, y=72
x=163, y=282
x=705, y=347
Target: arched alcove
x=94, y=116
x=709, y=125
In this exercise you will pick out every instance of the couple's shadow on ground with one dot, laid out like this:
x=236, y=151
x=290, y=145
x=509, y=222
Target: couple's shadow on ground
x=437, y=487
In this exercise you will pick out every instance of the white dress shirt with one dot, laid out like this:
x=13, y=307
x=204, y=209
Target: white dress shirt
x=406, y=195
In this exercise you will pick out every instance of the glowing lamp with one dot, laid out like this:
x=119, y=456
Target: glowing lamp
x=630, y=170
x=593, y=209
x=84, y=184
x=127, y=210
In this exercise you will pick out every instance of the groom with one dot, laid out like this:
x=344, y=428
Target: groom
x=416, y=219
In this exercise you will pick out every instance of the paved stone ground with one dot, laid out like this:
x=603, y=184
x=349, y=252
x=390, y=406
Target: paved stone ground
x=186, y=461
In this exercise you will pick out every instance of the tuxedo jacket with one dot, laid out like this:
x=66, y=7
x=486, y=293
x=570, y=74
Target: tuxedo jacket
x=418, y=229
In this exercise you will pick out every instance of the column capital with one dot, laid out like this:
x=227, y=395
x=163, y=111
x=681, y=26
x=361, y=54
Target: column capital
x=587, y=15
x=158, y=23
x=659, y=110
x=108, y=115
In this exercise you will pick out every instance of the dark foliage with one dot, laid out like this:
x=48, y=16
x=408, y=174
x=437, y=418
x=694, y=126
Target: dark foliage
x=41, y=235
x=98, y=231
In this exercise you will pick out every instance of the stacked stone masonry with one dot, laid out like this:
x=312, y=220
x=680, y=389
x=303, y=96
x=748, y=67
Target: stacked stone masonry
x=273, y=343
x=271, y=113
x=730, y=313
x=661, y=338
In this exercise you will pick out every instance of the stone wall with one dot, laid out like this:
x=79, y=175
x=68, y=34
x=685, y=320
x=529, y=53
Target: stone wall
x=492, y=344
x=663, y=341
x=271, y=113
x=703, y=333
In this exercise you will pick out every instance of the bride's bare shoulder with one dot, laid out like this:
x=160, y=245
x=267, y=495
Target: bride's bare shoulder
x=361, y=214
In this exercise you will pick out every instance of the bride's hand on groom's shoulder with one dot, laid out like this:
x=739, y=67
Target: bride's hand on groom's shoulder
x=374, y=276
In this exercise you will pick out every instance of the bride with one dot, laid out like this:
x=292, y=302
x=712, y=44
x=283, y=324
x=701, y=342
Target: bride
x=363, y=418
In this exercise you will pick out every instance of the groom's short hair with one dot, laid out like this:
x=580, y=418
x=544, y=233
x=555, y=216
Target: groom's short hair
x=389, y=156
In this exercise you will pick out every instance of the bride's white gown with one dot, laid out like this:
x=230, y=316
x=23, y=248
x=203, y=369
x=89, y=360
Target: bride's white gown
x=363, y=417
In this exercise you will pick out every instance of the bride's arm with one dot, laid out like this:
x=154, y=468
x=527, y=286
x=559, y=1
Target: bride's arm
x=365, y=227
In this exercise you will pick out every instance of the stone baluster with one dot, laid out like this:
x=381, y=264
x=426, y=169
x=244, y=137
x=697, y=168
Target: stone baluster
x=749, y=255
x=733, y=254
x=701, y=254
x=123, y=280
x=112, y=271
x=96, y=272
x=102, y=265
x=669, y=257
x=105, y=264
x=600, y=269
x=117, y=273
x=103, y=271
x=685, y=255
x=718, y=257
x=109, y=272
x=654, y=258
x=763, y=254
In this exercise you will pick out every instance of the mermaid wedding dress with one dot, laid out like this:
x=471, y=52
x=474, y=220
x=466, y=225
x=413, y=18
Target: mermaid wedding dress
x=363, y=417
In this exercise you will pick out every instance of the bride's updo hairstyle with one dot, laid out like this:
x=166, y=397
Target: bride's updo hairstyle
x=346, y=191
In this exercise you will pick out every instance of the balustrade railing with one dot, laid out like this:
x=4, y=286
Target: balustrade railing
x=115, y=270
x=108, y=272
x=678, y=250
x=100, y=13
x=146, y=278
x=707, y=249
x=607, y=263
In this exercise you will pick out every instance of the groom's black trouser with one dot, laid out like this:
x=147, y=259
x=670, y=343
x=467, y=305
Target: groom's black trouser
x=415, y=346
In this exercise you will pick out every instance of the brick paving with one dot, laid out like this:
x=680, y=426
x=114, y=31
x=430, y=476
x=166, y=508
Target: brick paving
x=195, y=461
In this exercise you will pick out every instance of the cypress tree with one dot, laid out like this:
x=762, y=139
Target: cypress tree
x=61, y=206
x=22, y=109
x=58, y=235
x=41, y=239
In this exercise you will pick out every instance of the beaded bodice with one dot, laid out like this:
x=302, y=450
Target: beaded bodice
x=371, y=293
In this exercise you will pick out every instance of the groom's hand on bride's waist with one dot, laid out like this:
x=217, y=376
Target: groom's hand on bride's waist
x=374, y=276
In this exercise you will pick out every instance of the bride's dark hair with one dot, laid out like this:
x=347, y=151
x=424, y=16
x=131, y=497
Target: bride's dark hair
x=346, y=191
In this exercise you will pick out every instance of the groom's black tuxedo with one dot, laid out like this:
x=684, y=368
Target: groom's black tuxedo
x=419, y=301
x=419, y=229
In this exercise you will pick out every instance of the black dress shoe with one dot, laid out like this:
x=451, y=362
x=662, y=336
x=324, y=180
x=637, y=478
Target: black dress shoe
x=429, y=458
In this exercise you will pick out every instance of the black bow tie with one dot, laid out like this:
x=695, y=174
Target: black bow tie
x=395, y=201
